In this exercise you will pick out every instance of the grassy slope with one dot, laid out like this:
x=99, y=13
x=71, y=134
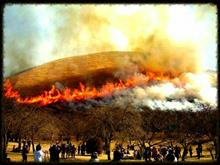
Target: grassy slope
x=93, y=69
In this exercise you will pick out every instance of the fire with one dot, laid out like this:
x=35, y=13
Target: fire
x=82, y=92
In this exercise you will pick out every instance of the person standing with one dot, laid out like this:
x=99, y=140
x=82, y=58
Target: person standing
x=163, y=151
x=170, y=157
x=147, y=154
x=38, y=154
x=117, y=156
x=200, y=148
x=190, y=151
x=177, y=152
x=94, y=157
x=52, y=153
x=57, y=152
x=139, y=155
x=79, y=149
x=25, y=150
x=63, y=150
x=73, y=151
x=83, y=149
x=199, y=151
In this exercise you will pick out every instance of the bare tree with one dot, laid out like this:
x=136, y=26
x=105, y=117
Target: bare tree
x=109, y=123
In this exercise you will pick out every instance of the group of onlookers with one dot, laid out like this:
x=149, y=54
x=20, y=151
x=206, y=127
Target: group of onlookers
x=67, y=150
x=38, y=153
x=163, y=153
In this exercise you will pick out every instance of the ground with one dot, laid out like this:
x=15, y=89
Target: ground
x=17, y=157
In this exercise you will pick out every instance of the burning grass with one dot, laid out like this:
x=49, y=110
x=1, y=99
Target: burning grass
x=100, y=75
x=83, y=92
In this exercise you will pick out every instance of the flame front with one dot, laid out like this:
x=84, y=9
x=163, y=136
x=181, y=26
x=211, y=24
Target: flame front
x=82, y=92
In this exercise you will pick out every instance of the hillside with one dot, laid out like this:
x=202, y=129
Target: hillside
x=92, y=69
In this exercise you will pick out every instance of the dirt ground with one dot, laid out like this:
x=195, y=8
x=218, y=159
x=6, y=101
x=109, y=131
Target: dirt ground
x=17, y=157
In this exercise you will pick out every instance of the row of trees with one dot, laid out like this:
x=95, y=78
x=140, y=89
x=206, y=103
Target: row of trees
x=111, y=123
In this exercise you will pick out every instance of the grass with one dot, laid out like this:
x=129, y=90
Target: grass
x=72, y=70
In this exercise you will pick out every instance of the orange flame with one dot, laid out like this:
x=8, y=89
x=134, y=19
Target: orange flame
x=82, y=92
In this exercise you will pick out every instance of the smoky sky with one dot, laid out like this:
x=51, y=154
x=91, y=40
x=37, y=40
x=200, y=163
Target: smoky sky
x=175, y=37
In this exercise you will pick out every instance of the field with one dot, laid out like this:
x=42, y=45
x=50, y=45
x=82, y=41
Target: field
x=17, y=157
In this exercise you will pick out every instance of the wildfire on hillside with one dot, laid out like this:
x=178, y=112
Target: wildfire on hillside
x=83, y=92
x=174, y=54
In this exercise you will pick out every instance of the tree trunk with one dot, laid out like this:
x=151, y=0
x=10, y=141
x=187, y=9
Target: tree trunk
x=171, y=143
x=184, y=153
x=108, y=150
x=32, y=143
x=19, y=143
x=216, y=148
x=210, y=150
x=143, y=146
x=4, y=145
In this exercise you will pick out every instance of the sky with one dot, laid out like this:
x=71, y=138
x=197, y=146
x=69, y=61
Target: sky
x=37, y=34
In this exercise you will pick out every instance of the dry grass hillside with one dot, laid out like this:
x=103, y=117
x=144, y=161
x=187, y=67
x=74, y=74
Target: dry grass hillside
x=90, y=69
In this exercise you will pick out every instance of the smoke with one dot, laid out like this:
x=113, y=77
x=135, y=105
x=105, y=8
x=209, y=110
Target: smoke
x=174, y=38
x=188, y=92
x=27, y=43
x=180, y=39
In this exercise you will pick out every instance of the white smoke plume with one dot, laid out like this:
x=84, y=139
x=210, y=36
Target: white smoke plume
x=175, y=38
x=190, y=92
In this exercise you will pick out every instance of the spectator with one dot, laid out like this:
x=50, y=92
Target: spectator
x=185, y=152
x=79, y=149
x=38, y=154
x=156, y=154
x=163, y=151
x=57, y=152
x=199, y=150
x=52, y=151
x=190, y=151
x=170, y=156
x=73, y=151
x=135, y=154
x=138, y=156
x=63, y=150
x=25, y=150
x=83, y=149
x=94, y=157
x=177, y=152
x=147, y=154
x=68, y=149
x=117, y=155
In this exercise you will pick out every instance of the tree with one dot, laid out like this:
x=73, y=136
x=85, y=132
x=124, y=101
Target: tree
x=14, y=117
x=207, y=121
x=26, y=121
x=152, y=125
x=108, y=123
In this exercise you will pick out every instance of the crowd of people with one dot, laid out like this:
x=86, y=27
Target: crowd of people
x=163, y=153
x=56, y=151
x=68, y=150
